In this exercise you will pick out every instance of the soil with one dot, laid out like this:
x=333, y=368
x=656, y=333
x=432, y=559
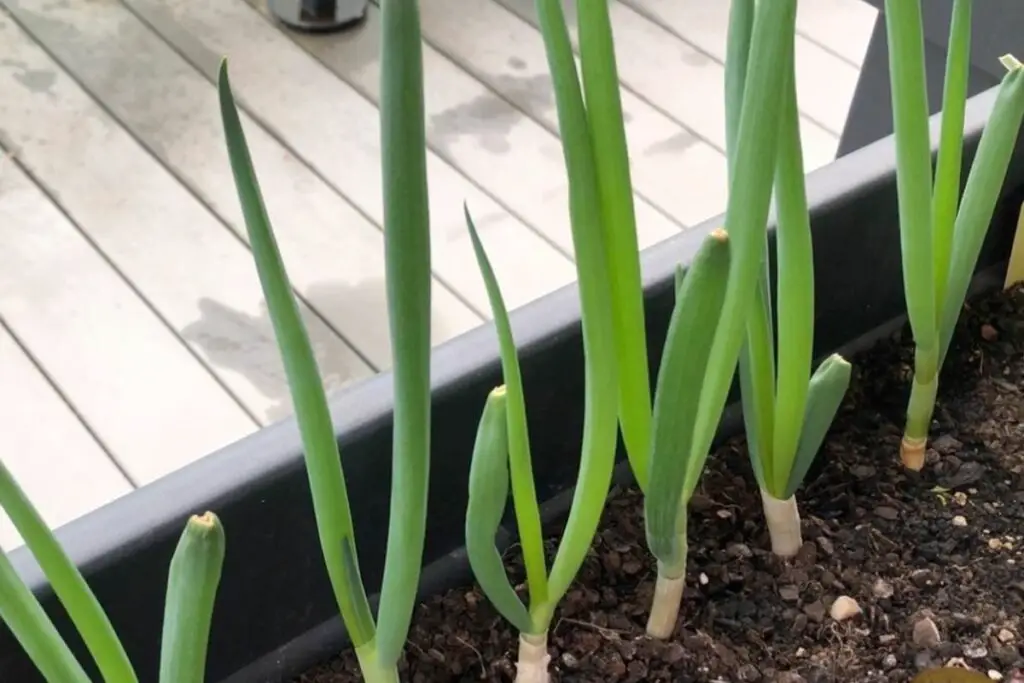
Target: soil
x=943, y=548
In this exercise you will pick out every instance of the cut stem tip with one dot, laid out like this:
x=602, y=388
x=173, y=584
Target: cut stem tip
x=783, y=520
x=912, y=452
x=668, y=594
x=1010, y=62
x=532, y=666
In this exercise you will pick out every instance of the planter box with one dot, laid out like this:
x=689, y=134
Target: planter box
x=276, y=615
x=997, y=27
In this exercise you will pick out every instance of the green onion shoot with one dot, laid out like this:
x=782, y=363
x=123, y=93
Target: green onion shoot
x=771, y=35
x=941, y=242
x=494, y=453
x=408, y=279
x=786, y=413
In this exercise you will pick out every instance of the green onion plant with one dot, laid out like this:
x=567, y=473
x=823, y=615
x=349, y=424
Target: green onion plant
x=378, y=644
x=941, y=241
x=192, y=584
x=502, y=454
x=700, y=293
x=701, y=353
x=786, y=412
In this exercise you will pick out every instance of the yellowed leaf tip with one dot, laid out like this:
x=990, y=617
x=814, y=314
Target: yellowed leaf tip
x=720, y=234
x=207, y=519
x=1010, y=62
x=498, y=391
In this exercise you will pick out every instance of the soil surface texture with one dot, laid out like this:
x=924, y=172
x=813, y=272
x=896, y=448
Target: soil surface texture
x=934, y=560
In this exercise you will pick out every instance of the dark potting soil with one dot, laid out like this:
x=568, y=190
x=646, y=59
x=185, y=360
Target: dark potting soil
x=934, y=560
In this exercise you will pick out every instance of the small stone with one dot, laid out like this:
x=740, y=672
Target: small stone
x=889, y=661
x=886, y=512
x=886, y=638
x=789, y=593
x=975, y=651
x=995, y=544
x=738, y=551
x=815, y=611
x=946, y=444
x=863, y=471
x=748, y=672
x=789, y=677
x=926, y=633
x=882, y=589
x=1005, y=635
x=844, y=608
x=826, y=545
x=994, y=675
x=960, y=498
x=968, y=473
x=808, y=554
x=1006, y=655
x=703, y=579
x=673, y=653
x=569, y=660
x=962, y=620
x=989, y=333
x=959, y=520
x=922, y=578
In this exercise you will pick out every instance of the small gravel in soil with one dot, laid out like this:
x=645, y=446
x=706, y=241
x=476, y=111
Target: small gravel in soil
x=933, y=559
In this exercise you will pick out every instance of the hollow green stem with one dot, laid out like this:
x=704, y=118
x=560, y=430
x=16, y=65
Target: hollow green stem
x=611, y=156
x=946, y=193
x=67, y=582
x=191, y=592
x=323, y=462
x=515, y=447
x=919, y=418
x=408, y=279
x=747, y=211
x=21, y=612
x=600, y=410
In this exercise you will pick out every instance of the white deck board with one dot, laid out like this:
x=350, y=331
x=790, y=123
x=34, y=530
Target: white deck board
x=336, y=130
x=672, y=166
x=44, y=445
x=503, y=143
x=705, y=26
x=129, y=377
x=679, y=79
x=131, y=317
x=842, y=27
x=185, y=262
x=334, y=254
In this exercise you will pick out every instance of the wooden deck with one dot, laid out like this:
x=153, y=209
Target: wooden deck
x=133, y=335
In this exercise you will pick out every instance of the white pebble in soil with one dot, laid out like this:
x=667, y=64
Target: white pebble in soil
x=926, y=633
x=844, y=608
x=975, y=650
x=882, y=589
